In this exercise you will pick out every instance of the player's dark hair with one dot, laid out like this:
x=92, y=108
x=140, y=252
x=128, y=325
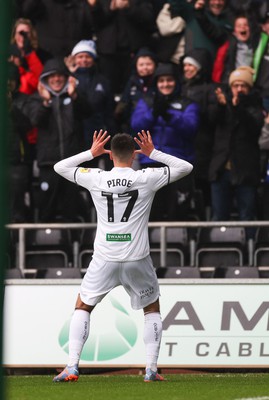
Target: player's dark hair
x=123, y=145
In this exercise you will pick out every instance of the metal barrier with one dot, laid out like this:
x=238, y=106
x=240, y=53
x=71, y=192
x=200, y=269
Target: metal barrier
x=21, y=228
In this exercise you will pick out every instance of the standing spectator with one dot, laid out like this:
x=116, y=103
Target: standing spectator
x=94, y=87
x=57, y=109
x=60, y=24
x=264, y=147
x=20, y=160
x=122, y=27
x=237, y=51
x=139, y=84
x=207, y=23
x=235, y=164
x=26, y=55
x=174, y=122
x=196, y=85
x=171, y=41
x=261, y=62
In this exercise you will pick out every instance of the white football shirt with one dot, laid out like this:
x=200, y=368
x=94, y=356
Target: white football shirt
x=122, y=198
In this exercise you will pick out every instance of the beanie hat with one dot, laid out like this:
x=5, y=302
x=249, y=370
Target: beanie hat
x=192, y=61
x=244, y=74
x=87, y=46
x=165, y=69
x=201, y=58
x=146, y=52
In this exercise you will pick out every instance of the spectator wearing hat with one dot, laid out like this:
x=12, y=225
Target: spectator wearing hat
x=173, y=122
x=94, y=87
x=196, y=85
x=57, y=109
x=234, y=170
x=139, y=84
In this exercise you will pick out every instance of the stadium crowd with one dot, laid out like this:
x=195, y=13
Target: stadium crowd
x=195, y=73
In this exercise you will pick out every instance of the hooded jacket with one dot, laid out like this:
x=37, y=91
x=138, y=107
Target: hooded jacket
x=60, y=131
x=173, y=135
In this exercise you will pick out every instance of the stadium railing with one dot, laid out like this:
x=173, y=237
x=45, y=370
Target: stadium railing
x=192, y=226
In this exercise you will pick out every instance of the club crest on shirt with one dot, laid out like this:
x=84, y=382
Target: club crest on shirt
x=84, y=170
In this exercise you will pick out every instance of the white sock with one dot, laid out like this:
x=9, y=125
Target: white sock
x=78, y=334
x=152, y=339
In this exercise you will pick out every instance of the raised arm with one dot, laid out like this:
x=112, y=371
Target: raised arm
x=178, y=167
x=68, y=166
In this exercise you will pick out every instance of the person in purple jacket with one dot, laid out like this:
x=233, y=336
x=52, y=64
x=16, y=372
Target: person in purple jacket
x=173, y=122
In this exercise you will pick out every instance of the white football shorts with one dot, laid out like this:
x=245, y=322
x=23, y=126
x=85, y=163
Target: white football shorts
x=138, y=278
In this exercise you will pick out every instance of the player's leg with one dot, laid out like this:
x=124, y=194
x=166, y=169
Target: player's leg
x=101, y=277
x=152, y=340
x=78, y=334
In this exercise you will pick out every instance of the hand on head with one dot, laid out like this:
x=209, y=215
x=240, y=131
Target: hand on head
x=99, y=141
x=144, y=142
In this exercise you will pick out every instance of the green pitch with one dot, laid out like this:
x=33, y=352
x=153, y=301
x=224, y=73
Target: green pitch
x=131, y=387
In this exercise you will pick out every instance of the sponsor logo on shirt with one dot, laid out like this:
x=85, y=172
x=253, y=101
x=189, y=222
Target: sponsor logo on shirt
x=118, y=237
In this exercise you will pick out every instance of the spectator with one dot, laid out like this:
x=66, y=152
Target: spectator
x=207, y=25
x=26, y=55
x=20, y=160
x=60, y=24
x=93, y=86
x=264, y=147
x=171, y=43
x=57, y=109
x=173, y=122
x=235, y=164
x=139, y=84
x=237, y=51
x=122, y=27
x=261, y=62
x=196, y=67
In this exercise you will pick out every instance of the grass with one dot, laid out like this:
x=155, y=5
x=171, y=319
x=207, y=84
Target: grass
x=131, y=387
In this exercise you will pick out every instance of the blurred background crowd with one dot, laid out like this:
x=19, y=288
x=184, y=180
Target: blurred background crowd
x=195, y=73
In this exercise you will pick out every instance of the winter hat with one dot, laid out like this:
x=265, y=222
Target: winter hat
x=192, y=61
x=165, y=69
x=146, y=52
x=200, y=58
x=244, y=73
x=85, y=46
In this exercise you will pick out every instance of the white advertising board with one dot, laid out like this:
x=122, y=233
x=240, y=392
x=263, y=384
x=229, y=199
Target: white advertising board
x=204, y=324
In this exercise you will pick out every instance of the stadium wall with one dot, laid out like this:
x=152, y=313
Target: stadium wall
x=206, y=323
